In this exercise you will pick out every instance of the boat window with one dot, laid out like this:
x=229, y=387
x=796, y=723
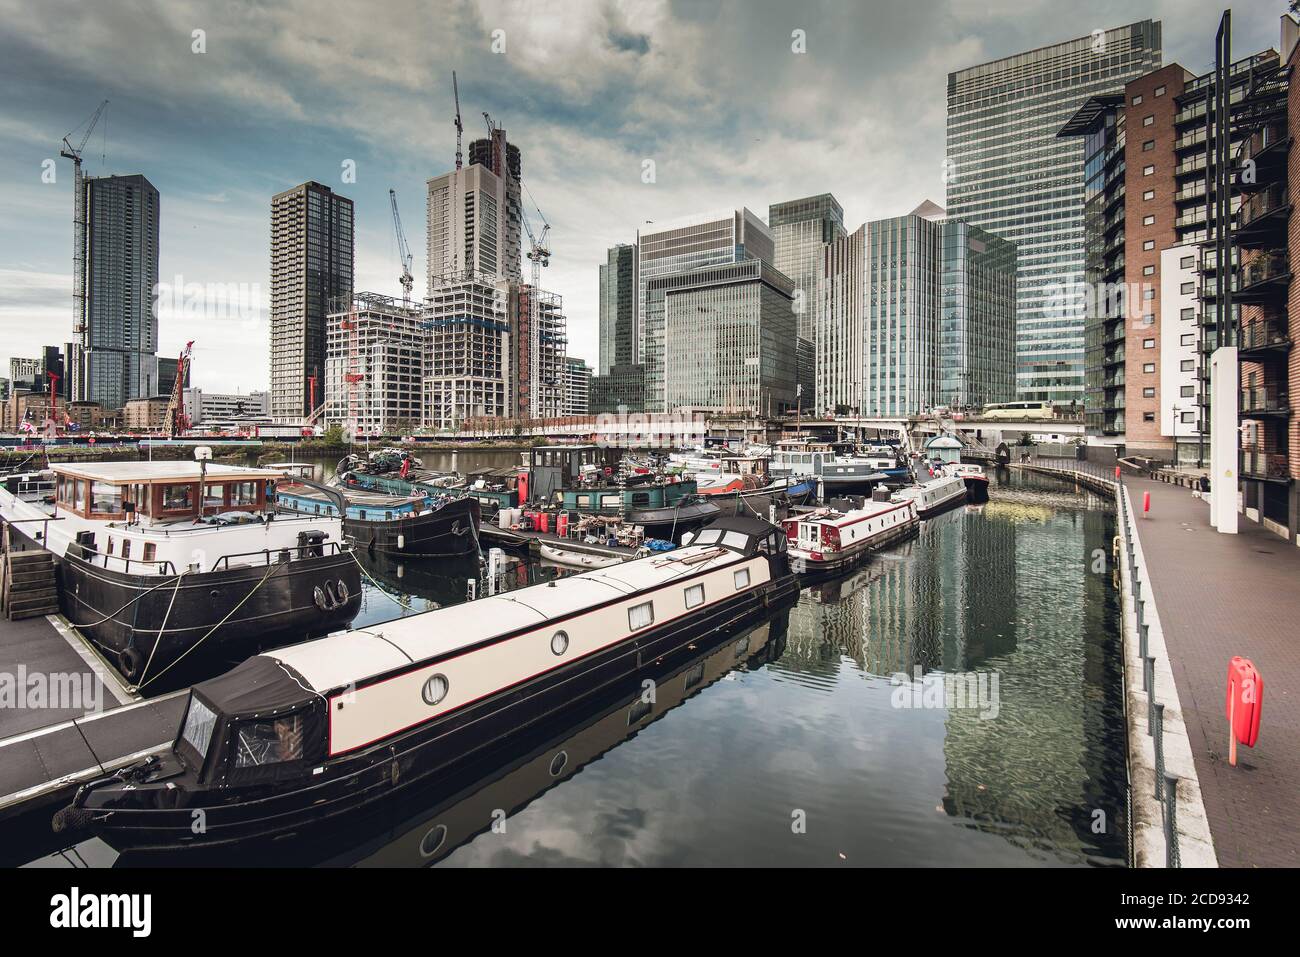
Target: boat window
x=126, y=548
x=559, y=642
x=707, y=537
x=639, y=616
x=199, y=722
x=640, y=498
x=735, y=540
x=214, y=496
x=150, y=551
x=268, y=742
x=435, y=689
x=178, y=497
x=742, y=578
x=243, y=493
x=105, y=497
x=109, y=549
x=79, y=496
x=695, y=596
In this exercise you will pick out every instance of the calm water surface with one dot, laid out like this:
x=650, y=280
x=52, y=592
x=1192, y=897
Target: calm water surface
x=799, y=742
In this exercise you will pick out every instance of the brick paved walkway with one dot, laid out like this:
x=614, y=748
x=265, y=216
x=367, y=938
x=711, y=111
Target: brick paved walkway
x=1219, y=596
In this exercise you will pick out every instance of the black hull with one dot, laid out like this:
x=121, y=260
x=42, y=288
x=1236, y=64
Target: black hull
x=840, y=562
x=268, y=605
x=446, y=532
x=757, y=503
x=977, y=490
x=665, y=522
x=355, y=781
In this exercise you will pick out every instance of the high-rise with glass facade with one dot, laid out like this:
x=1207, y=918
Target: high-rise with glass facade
x=727, y=335
x=977, y=322
x=617, y=307
x=1009, y=173
x=710, y=239
x=801, y=231
x=311, y=265
x=119, y=332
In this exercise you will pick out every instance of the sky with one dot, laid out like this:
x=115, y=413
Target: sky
x=272, y=94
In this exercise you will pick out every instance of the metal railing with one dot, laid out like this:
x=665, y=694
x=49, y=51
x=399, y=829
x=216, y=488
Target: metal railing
x=287, y=553
x=1263, y=333
x=1166, y=784
x=1271, y=465
x=1264, y=398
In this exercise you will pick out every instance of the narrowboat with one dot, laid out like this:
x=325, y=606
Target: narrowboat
x=837, y=537
x=304, y=734
x=429, y=525
x=155, y=559
x=933, y=496
x=743, y=486
x=977, y=482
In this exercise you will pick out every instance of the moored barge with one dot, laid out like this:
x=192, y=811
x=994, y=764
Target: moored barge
x=156, y=559
x=300, y=735
x=837, y=537
x=933, y=496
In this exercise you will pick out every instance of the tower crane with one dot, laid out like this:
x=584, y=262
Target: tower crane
x=539, y=252
x=175, y=421
x=79, y=223
x=403, y=251
x=455, y=92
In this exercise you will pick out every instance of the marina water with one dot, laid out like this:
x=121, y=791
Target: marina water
x=955, y=701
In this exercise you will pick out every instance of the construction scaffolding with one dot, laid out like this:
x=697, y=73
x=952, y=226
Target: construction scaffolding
x=468, y=342
x=374, y=365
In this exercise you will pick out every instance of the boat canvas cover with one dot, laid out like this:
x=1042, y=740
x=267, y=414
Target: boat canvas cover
x=260, y=692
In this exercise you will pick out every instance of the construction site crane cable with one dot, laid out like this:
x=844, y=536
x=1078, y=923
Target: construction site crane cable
x=403, y=251
x=79, y=220
x=455, y=92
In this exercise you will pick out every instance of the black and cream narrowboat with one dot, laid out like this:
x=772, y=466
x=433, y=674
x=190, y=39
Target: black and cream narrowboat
x=836, y=537
x=299, y=735
x=162, y=560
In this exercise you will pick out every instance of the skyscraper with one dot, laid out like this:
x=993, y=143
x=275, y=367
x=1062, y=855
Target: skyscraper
x=119, y=331
x=801, y=231
x=727, y=335
x=918, y=310
x=311, y=264
x=1009, y=173
x=707, y=239
x=617, y=307
x=474, y=216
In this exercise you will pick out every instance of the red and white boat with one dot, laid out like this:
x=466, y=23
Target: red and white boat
x=977, y=482
x=831, y=539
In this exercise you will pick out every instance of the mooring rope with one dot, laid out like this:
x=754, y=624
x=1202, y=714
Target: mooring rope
x=154, y=650
x=269, y=571
x=374, y=582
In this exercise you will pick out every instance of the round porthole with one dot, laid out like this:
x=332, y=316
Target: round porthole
x=433, y=840
x=559, y=642
x=559, y=763
x=434, y=690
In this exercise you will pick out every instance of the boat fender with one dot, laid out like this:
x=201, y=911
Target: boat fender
x=130, y=662
x=331, y=594
x=343, y=591
x=401, y=541
x=71, y=819
x=318, y=596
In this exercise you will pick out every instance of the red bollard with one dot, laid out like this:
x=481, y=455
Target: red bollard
x=1146, y=503
x=1117, y=471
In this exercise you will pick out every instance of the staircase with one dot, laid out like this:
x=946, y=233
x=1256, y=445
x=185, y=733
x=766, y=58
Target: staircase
x=28, y=587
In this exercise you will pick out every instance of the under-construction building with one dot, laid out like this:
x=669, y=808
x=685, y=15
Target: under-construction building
x=467, y=353
x=540, y=342
x=374, y=364
x=474, y=216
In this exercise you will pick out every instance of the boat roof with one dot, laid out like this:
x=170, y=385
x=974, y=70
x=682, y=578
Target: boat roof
x=149, y=472
x=345, y=657
x=837, y=517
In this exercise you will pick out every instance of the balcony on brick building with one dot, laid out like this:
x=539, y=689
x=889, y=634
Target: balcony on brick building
x=1268, y=466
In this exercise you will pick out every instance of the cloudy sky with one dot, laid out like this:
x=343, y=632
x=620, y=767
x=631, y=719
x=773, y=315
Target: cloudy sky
x=589, y=89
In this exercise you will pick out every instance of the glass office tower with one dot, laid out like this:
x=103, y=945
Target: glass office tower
x=1009, y=173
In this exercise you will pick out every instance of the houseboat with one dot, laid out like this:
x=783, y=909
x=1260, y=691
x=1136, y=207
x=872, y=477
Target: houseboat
x=157, y=558
x=977, y=482
x=592, y=480
x=837, y=467
x=303, y=734
x=425, y=525
x=933, y=496
x=744, y=486
x=836, y=537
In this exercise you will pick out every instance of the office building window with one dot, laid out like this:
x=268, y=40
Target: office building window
x=1148, y=170
x=1148, y=220
x=1149, y=195
x=1160, y=91
x=1148, y=343
x=1148, y=120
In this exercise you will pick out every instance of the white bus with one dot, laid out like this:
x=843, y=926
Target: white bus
x=1019, y=411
